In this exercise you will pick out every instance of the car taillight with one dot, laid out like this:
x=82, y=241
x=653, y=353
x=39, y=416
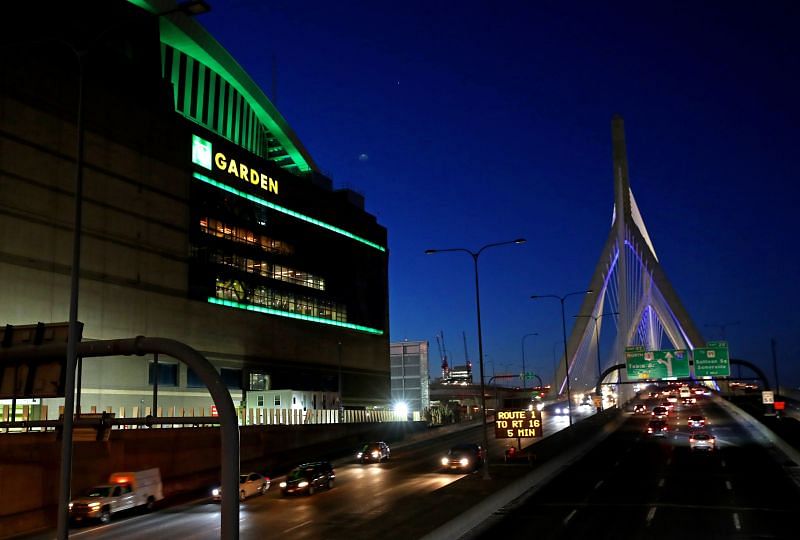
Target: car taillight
x=649, y=430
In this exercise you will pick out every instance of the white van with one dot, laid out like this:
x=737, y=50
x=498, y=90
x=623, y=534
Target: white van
x=685, y=392
x=124, y=490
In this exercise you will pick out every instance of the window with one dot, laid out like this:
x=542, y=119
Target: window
x=237, y=291
x=258, y=382
x=294, y=400
x=277, y=400
x=193, y=380
x=260, y=401
x=167, y=374
x=232, y=378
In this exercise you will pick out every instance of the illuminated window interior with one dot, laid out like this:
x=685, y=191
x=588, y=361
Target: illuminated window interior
x=288, y=302
x=215, y=227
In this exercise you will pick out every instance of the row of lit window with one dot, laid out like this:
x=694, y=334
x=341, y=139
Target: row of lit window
x=270, y=270
x=283, y=301
x=220, y=229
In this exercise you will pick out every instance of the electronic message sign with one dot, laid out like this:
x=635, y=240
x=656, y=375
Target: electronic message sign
x=512, y=424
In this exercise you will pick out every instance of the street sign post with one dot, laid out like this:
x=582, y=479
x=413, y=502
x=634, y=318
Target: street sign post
x=653, y=365
x=713, y=360
x=512, y=424
x=767, y=397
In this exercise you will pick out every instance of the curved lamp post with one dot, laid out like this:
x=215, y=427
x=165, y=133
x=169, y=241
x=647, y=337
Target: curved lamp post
x=475, y=255
x=564, y=330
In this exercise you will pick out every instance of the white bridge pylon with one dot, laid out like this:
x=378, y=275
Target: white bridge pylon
x=629, y=280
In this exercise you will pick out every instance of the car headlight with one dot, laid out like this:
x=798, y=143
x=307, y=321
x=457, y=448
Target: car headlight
x=359, y=455
x=215, y=492
x=94, y=505
x=445, y=461
x=375, y=454
x=302, y=484
x=539, y=406
x=69, y=506
x=283, y=484
x=464, y=462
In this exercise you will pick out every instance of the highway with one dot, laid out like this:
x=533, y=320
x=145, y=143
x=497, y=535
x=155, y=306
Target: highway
x=405, y=497
x=635, y=486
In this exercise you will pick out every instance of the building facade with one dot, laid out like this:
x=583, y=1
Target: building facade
x=205, y=220
x=410, y=379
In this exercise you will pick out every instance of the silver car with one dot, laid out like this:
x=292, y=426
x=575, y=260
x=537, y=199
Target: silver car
x=702, y=440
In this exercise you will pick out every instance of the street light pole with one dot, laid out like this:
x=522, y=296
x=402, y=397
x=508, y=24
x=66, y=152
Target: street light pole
x=564, y=332
x=524, y=373
x=475, y=255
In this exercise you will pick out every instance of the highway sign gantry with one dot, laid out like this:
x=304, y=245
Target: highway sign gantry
x=713, y=360
x=653, y=365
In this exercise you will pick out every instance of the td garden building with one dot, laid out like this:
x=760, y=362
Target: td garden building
x=205, y=220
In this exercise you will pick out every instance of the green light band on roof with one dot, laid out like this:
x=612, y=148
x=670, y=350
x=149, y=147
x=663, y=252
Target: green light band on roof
x=290, y=315
x=286, y=211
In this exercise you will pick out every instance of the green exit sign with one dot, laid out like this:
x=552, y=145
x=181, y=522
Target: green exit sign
x=713, y=360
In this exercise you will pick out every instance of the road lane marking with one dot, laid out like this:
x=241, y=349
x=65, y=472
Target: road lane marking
x=651, y=514
x=297, y=526
x=723, y=463
x=598, y=484
x=728, y=485
x=736, y=522
x=569, y=517
x=661, y=483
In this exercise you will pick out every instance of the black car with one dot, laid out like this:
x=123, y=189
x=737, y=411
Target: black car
x=308, y=478
x=464, y=457
x=373, y=452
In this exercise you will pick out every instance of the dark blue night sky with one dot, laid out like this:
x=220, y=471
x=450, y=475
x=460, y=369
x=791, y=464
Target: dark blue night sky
x=465, y=123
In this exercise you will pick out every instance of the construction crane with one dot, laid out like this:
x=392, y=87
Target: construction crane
x=443, y=355
x=466, y=354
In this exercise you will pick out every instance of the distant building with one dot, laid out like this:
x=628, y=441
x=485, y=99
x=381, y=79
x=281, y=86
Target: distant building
x=458, y=375
x=409, y=379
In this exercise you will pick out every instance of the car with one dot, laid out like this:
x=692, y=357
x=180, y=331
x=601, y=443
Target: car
x=702, y=440
x=249, y=484
x=696, y=421
x=672, y=398
x=373, y=452
x=654, y=394
x=657, y=428
x=308, y=478
x=640, y=408
x=691, y=400
x=463, y=457
x=698, y=391
x=659, y=412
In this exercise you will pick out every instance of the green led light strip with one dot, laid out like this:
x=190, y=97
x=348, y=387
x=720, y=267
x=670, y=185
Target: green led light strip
x=289, y=314
x=286, y=211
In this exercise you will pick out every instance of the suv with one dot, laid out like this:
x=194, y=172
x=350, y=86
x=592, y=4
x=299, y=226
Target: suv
x=660, y=412
x=639, y=408
x=464, y=457
x=697, y=421
x=308, y=478
x=657, y=428
x=374, y=451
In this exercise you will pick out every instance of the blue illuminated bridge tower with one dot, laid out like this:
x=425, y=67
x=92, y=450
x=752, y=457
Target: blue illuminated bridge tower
x=629, y=280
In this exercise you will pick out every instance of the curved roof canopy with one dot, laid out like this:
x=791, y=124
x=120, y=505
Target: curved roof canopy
x=182, y=33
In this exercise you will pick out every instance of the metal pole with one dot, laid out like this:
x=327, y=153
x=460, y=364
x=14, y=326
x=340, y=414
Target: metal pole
x=480, y=358
x=775, y=366
x=65, y=476
x=78, y=384
x=566, y=359
x=341, y=402
x=155, y=384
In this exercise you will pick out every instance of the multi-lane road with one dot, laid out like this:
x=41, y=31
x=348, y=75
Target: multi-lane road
x=633, y=486
x=406, y=497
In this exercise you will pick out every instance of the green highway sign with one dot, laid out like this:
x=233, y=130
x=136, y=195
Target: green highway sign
x=713, y=360
x=641, y=364
x=528, y=375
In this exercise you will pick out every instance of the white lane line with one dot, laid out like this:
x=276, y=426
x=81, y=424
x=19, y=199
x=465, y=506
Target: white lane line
x=297, y=526
x=728, y=485
x=569, y=517
x=661, y=483
x=598, y=484
x=651, y=514
x=722, y=463
x=736, y=522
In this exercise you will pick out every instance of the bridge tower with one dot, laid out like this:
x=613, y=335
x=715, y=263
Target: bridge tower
x=628, y=279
